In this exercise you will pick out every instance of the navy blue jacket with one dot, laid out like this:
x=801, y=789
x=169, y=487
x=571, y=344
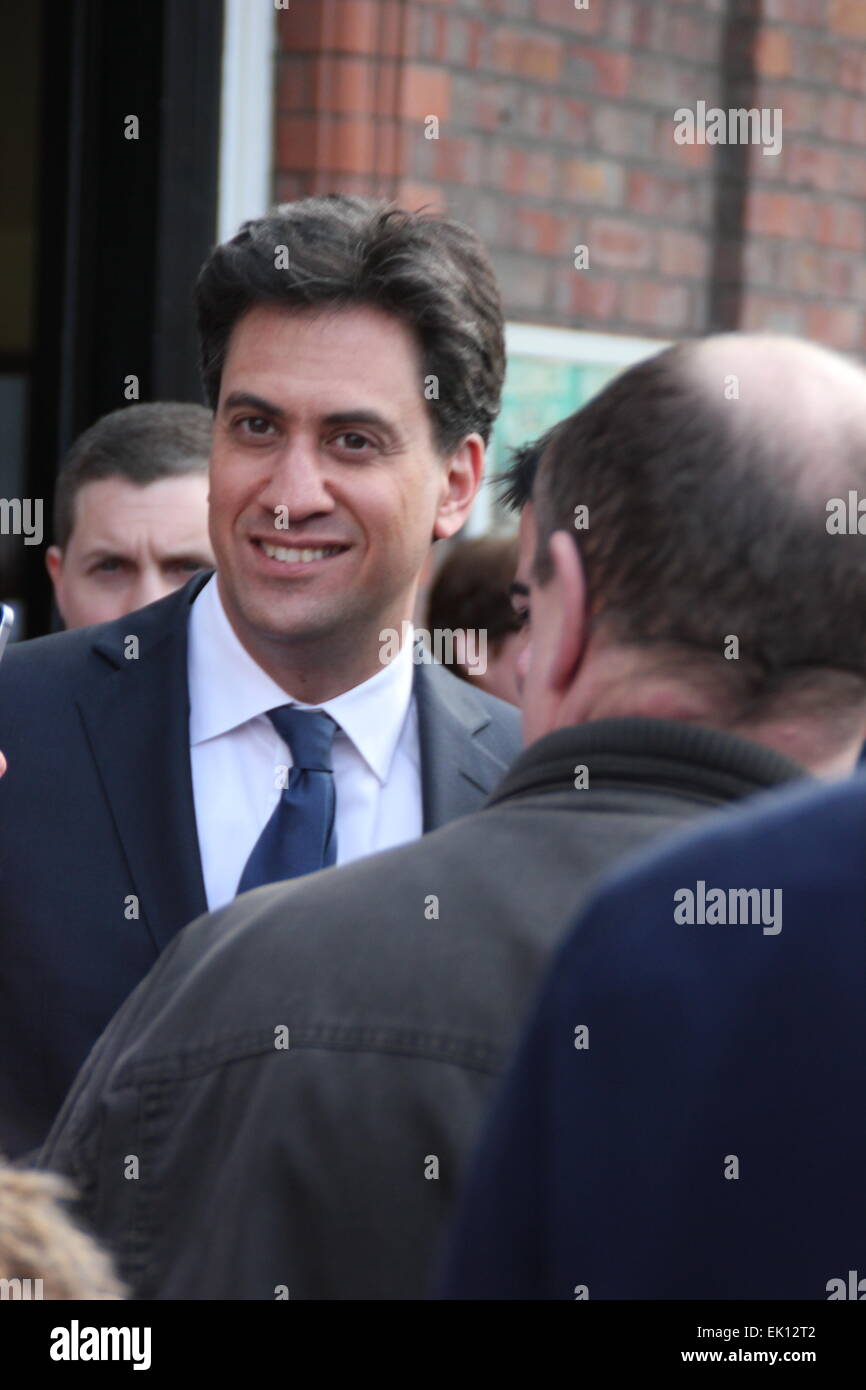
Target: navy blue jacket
x=99, y=854
x=710, y=1141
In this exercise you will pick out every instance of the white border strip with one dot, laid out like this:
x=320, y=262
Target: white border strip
x=246, y=113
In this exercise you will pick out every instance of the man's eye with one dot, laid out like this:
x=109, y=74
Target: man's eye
x=254, y=424
x=522, y=615
x=109, y=565
x=352, y=442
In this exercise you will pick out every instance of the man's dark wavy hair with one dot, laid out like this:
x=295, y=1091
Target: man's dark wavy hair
x=429, y=272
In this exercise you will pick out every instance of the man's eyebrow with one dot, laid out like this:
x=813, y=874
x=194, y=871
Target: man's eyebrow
x=238, y=398
x=361, y=417
x=103, y=552
x=518, y=590
x=358, y=416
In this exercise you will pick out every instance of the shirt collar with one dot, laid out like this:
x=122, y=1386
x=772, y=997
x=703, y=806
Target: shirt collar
x=371, y=714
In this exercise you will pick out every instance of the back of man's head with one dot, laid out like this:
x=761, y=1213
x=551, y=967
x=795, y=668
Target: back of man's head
x=337, y=252
x=696, y=488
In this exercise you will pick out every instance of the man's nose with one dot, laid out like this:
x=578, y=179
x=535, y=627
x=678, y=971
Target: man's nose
x=297, y=484
x=150, y=585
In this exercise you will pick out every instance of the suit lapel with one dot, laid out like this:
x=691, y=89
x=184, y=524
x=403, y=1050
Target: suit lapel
x=136, y=715
x=455, y=766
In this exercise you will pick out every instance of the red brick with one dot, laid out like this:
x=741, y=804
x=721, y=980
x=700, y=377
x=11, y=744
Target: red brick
x=844, y=119
x=848, y=18
x=815, y=58
x=810, y=166
x=683, y=254
x=296, y=143
x=615, y=244
x=339, y=146
x=852, y=176
x=804, y=12
x=295, y=84
x=839, y=326
x=540, y=232
x=592, y=181
x=456, y=160
x=426, y=92
x=518, y=51
x=763, y=313
x=581, y=295
x=660, y=306
x=779, y=214
x=414, y=195
x=621, y=19
x=840, y=224
x=667, y=196
x=561, y=14
x=345, y=85
x=772, y=55
x=527, y=279
x=291, y=186
x=299, y=28
x=850, y=68
x=342, y=26
x=606, y=72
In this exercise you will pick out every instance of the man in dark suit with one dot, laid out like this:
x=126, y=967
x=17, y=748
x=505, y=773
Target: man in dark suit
x=302, y=1076
x=264, y=721
x=705, y=1137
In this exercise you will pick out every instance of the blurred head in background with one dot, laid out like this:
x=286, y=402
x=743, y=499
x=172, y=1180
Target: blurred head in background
x=130, y=511
x=472, y=594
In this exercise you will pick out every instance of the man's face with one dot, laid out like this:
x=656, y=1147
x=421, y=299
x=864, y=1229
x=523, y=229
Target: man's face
x=129, y=546
x=326, y=488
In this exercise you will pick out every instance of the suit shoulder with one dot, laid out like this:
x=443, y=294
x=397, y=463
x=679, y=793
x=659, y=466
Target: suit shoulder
x=473, y=706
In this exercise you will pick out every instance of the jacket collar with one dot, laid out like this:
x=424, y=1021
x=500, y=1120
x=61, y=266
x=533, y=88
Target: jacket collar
x=649, y=754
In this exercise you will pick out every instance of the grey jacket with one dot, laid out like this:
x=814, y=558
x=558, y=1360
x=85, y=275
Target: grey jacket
x=284, y=1107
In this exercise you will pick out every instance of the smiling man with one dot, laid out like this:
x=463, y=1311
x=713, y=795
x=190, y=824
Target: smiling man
x=245, y=730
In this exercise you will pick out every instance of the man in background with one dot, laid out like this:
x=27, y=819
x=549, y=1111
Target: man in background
x=130, y=511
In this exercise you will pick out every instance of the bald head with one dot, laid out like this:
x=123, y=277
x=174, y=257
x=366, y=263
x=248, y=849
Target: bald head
x=799, y=406
x=696, y=489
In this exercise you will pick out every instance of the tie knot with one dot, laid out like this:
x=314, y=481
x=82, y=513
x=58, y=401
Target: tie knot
x=309, y=734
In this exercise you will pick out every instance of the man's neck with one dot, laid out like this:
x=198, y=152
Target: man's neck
x=622, y=691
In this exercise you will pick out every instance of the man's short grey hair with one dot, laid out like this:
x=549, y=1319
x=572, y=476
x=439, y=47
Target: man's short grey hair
x=141, y=443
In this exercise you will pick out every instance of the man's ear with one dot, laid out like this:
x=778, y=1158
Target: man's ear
x=567, y=611
x=54, y=562
x=464, y=470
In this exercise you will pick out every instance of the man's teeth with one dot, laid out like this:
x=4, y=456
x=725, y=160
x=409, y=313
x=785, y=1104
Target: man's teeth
x=295, y=557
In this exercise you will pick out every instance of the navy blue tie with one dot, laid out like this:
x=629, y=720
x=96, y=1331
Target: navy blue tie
x=300, y=836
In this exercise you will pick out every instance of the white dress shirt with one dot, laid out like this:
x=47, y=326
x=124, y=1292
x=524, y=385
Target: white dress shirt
x=236, y=753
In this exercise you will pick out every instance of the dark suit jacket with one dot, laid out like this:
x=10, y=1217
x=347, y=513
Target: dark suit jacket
x=302, y=1075
x=96, y=812
x=612, y=1166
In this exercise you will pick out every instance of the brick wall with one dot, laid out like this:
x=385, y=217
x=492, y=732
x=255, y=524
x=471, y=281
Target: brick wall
x=556, y=129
